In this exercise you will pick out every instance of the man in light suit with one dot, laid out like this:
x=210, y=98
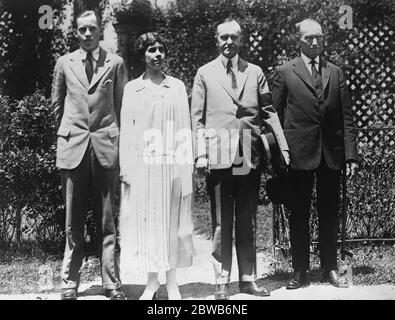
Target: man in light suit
x=310, y=96
x=87, y=92
x=229, y=99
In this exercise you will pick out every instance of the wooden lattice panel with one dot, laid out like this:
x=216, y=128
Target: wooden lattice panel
x=370, y=77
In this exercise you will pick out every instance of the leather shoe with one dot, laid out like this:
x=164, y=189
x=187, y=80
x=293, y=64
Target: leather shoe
x=299, y=279
x=68, y=294
x=250, y=287
x=222, y=292
x=115, y=294
x=335, y=279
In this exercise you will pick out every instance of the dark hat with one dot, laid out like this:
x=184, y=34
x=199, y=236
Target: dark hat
x=271, y=148
x=278, y=189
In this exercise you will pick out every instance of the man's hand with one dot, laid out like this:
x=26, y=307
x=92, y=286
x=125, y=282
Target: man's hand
x=202, y=166
x=124, y=178
x=285, y=158
x=351, y=168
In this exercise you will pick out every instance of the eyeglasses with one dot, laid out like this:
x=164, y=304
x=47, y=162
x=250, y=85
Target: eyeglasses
x=318, y=37
x=233, y=37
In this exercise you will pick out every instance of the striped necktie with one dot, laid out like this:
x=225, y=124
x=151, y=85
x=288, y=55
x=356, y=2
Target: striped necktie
x=229, y=70
x=314, y=71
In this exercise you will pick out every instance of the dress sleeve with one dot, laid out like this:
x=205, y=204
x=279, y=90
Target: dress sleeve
x=126, y=132
x=184, y=142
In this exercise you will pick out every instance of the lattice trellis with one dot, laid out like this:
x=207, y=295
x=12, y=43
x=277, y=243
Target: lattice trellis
x=370, y=76
x=371, y=81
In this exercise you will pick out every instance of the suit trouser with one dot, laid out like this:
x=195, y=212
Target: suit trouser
x=328, y=183
x=76, y=183
x=233, y=196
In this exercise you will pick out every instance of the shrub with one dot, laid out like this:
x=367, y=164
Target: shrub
x=31, y=200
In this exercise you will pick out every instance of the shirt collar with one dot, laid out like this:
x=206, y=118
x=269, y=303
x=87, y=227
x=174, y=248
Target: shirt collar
x=234, y=60
x=307, y=60
x=95, y=54
x=142, y=82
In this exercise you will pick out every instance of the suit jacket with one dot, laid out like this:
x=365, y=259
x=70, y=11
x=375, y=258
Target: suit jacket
x=314, y=125
x=223, y=119
x=86, y=111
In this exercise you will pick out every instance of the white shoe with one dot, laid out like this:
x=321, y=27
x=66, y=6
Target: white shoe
x=174, y=293
x=150, y=293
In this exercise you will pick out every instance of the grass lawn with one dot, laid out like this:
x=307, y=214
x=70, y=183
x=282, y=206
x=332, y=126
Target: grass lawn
x=20, y=273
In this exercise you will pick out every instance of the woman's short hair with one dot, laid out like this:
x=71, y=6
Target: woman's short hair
x=146, y=40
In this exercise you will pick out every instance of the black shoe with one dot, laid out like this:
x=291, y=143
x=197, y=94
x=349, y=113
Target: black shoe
x=68, y=294
x=299, y=279
x=250, y=287
x=222, y=292
x=115, y=294
x=334, y=278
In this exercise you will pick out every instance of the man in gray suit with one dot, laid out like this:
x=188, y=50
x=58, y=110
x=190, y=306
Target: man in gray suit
x=87, y=92
x=230, y=97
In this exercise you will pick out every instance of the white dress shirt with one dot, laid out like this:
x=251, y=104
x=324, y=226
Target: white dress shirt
x=307, y=60
x=95, y=57
x=234, y=61
x=235, y=68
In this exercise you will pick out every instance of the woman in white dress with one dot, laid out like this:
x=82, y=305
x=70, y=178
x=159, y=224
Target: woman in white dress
x=156, y=167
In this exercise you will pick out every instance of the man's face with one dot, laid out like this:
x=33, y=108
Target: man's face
x=228, y=39
x=88, y=32
x=155, y=56
x=311, y=40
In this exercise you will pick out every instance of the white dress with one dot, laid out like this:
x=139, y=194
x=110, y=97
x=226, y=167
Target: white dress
x=155, y=215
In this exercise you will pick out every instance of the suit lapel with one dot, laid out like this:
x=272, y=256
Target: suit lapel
x=242, y=75
x=326, y=74
x=303, y=73
x=220, y=75
x=103, y=64
x=78, y=68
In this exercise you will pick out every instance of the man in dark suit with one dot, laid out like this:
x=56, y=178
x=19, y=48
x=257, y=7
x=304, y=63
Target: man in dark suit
x=310, y=96
x=87, y=92
x=229, y=98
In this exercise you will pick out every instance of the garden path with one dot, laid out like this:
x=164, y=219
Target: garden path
x=197, y=282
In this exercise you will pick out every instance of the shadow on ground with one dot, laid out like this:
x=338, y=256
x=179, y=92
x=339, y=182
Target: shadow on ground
x=196, y=290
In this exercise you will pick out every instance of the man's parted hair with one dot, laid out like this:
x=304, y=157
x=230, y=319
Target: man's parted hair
x=84, y=14
x=228, y=20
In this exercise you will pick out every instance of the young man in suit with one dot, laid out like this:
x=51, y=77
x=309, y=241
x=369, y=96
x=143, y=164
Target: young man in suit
x=310, y=96
x=86, y=96
x=229, y=98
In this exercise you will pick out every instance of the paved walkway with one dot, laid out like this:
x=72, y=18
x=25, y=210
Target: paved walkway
x=197, y=282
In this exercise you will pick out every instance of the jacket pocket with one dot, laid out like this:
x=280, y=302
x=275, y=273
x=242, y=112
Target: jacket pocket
x=63, y=132
x=113, y=132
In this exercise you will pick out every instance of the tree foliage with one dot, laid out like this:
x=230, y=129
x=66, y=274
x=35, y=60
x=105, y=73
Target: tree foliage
x=28, y=53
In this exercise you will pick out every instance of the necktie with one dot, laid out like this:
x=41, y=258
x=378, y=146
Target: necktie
x=89, y=66
x=314, y=71
x=318, y=86
x=232, y=75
